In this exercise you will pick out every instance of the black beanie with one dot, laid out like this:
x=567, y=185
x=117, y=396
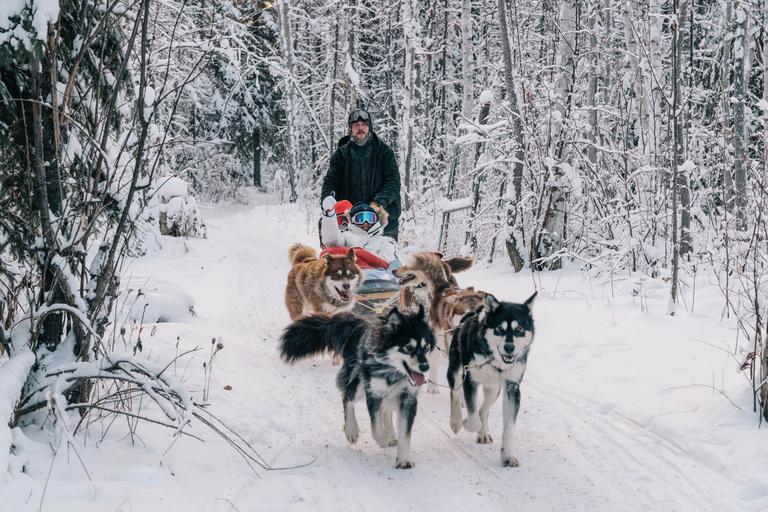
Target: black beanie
x=360, y=114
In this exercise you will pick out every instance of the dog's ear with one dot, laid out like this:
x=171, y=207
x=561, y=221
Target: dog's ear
x=438, y=254
x=420, y=314
x=351, y=254
x=394, y=318
x=490, y=303
x=529, y=302
x=469, y=289
x=451, y=299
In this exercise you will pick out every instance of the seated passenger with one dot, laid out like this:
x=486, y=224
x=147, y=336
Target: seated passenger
x=366, y=225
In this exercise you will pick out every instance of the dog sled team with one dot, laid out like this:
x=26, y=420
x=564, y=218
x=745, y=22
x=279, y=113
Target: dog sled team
x=386, y=357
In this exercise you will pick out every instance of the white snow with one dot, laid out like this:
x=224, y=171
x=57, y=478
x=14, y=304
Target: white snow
x=687, y=166
x=43, y=12
x=171, y=186
x=149, y=96
x=349, y=70
x=485, y=97
x=623, y=408
x=454, y=205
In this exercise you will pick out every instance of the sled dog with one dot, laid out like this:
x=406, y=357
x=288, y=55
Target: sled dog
x=384, y=362
x=325, y=285
x=417, y=291
x=447, y=302
x=489, y=349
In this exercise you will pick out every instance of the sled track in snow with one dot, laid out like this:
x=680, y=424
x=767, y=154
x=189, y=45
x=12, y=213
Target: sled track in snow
x=657, y=459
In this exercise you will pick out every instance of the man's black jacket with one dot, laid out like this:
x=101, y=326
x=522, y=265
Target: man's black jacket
x=385, y=182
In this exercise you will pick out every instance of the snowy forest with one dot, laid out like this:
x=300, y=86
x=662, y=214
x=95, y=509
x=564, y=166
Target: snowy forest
x=627, y=136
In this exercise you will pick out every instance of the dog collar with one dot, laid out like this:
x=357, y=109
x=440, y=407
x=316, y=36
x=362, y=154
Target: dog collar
x=422, y=285
x=479, y=366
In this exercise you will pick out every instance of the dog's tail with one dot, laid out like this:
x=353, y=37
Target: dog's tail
x=458, y=264
x=316, y=334
x=300, y=253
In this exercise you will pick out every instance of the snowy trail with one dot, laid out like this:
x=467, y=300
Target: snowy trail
x=623, y=408
x=576, y=453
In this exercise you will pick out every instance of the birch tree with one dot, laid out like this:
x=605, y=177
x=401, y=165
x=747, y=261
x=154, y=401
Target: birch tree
x=549, y=239
x=286, y=43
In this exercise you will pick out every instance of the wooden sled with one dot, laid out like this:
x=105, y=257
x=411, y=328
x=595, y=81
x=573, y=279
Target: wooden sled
x=376, y=296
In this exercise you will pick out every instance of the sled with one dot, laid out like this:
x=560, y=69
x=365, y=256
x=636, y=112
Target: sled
x=376, y=296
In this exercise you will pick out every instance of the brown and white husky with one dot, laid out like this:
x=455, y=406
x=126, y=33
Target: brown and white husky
x=326, y=285
x=417, y=292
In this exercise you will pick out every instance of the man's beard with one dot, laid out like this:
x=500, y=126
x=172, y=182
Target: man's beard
x=363, y=141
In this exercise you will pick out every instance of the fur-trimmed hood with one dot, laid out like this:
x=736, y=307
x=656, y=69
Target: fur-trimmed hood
x=382, y=219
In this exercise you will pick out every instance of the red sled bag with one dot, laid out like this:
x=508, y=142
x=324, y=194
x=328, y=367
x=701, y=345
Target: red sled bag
x=365, y=259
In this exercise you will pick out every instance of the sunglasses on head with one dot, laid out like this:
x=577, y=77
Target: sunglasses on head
x=362, y=217
x=358, y=115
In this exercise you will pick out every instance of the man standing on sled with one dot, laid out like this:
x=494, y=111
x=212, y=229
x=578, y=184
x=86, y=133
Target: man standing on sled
x=363, y=169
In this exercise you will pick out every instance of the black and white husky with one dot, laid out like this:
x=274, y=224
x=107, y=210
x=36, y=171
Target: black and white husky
x=385, y=359
x=489, y=349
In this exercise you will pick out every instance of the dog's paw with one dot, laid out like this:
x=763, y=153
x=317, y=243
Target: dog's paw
x=337, y=360
x=432, y=389
x=509, y=461
x=404, y=464
x=383, y=440
x=456, y=425
x=352, y=434
x=484, y=439
x=392, y=442
x=471, y=424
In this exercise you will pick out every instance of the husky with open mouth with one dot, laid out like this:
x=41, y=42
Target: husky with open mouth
x=489, y=349
x=385, y=361
x=445, y=301
x=325, y=285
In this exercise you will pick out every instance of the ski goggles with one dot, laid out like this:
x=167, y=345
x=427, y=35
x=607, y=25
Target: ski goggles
x=342, y=220
x=357, y=115
x=363, y=217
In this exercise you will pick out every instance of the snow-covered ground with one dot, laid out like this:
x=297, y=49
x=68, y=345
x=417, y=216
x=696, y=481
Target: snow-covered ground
x=623, y=407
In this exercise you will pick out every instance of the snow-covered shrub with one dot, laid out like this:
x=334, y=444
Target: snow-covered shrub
x=177, y=209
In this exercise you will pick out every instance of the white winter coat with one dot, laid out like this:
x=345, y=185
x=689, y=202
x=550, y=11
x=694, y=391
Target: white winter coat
x=382, y=246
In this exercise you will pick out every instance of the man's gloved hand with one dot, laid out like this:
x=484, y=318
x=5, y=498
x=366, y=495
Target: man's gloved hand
x=328, y=206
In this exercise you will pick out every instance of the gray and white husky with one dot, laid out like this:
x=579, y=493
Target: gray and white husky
x=385, y=359
x=489, y=349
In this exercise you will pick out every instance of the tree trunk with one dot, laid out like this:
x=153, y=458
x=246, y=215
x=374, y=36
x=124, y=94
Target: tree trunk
x=513, y=238
x=477, y=182
x=332, y=108
x=256, y=157
x=290, y=103
x=409, y=97
x=738, y=194
x=681, y=153
x=677, y=152
x=552, y=233
x=52, y=327
x=466, y=59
